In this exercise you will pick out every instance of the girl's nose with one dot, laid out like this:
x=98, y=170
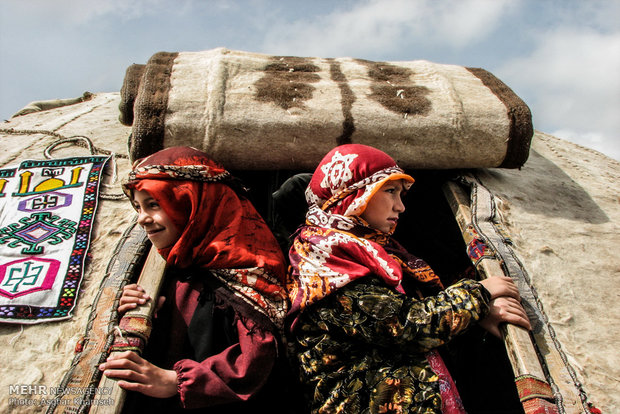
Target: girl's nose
x=399, y=206
x=144, y=218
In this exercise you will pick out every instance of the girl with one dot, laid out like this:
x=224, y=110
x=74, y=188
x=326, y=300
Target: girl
x=214, y=342
x=367, y=316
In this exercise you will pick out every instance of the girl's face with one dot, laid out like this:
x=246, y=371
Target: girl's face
x=385, y=205
x=151, y=216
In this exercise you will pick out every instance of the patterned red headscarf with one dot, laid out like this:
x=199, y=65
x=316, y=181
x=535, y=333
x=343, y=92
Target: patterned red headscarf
x=337, y=246
x=221, y=230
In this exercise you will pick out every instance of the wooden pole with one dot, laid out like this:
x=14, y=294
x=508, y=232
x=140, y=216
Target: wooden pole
x=519, y=346
x=151, y=279
x=521, y=353
x=525, y=349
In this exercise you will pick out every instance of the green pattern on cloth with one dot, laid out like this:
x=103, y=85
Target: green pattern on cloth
x=47, y=210
x=363, y=348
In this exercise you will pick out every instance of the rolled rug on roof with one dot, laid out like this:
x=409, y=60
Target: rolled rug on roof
x=287, y=112
x=129, y=90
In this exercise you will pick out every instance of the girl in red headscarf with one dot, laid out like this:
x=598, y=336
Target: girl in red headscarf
x=215, y=339
x=367, y=315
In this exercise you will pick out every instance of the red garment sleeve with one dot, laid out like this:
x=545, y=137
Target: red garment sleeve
x=234, y=375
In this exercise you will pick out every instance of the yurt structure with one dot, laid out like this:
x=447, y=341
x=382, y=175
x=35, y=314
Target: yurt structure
x=491, y=192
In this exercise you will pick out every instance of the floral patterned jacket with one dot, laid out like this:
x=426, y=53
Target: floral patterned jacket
x=363, y=348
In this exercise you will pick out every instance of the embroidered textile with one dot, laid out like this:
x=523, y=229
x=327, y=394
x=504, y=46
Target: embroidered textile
x=539, y=406
x=530, y=387
x=46, y=213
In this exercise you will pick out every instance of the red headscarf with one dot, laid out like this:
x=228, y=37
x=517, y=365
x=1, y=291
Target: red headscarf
x=337, y=246
x=221, y=230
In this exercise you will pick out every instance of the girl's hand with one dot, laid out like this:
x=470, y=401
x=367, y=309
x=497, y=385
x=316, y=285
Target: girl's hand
x=133, y=295
x=504, y=309
x=137, y=374
x=501, y=286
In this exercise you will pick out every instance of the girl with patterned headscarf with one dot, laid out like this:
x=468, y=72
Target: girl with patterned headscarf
x=366, y=315
x=215, y=338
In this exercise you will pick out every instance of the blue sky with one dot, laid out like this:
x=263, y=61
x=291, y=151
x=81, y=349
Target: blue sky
x=561, y=56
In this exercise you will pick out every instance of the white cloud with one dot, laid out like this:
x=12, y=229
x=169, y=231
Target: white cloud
x=384, y=25
x=459, y=23
x=572, y=84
